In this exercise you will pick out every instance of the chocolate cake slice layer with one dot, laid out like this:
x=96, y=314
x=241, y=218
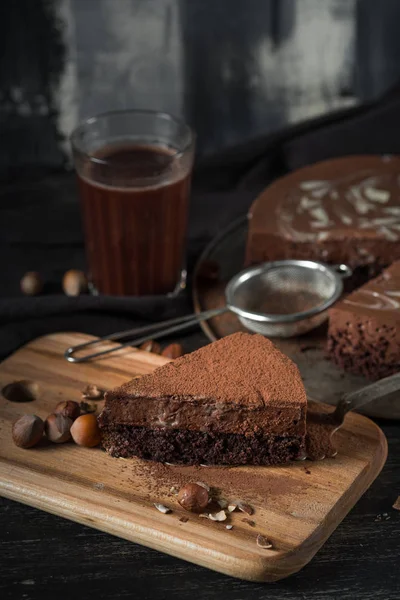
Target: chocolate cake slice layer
x=364, y=328
x=236, y=401
x=178, y=446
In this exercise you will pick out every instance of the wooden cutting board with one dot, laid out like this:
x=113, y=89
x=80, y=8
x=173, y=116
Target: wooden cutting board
x=296, y=506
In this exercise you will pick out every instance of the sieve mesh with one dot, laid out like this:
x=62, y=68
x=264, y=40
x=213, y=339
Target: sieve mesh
x=285, y=290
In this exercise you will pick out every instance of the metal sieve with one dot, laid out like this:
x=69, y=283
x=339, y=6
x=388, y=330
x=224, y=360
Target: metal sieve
x=277, y=299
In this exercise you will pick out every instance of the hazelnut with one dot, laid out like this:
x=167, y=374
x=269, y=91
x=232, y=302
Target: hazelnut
x=68, y=408
x=151, y=346
x=74, y=283
x=172, y=351
x=31, y=283
x=27, y=431
x=193, y=497
x=85, y=431
x=57, y=428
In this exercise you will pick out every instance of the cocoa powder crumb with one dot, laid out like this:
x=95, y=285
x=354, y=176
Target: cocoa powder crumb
x=320, y=426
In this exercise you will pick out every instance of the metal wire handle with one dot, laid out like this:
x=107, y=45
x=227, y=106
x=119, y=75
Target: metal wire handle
x=251, y=320
x=146, y=333
x=366, y=395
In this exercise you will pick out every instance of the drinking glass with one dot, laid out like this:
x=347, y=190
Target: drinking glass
x=134, y=169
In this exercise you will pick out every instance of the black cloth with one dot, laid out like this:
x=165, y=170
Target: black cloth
x=40, y=223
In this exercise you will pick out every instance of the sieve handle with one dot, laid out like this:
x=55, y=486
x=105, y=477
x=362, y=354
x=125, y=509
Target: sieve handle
x=149, y=332
x=343, y=270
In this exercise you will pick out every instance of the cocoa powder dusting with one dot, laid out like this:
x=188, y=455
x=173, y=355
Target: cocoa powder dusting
x=320, y=427
x=241, y=368
x=232, y=483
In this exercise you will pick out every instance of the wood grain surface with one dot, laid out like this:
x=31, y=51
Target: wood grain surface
x=296, y=506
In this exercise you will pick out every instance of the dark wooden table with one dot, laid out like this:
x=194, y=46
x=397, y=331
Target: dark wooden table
x=44, y=556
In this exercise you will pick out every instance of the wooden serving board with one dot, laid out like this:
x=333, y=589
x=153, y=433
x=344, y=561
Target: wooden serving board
x=296, y=506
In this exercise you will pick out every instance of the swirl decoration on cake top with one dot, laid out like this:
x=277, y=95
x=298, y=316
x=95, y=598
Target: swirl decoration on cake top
x=318, y=210
x=385, y=300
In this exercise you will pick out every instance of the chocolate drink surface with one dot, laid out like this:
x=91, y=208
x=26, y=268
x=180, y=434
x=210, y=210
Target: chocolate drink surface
x=134, y=202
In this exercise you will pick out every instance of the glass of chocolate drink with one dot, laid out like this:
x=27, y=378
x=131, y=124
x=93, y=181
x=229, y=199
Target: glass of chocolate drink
x=134, y=171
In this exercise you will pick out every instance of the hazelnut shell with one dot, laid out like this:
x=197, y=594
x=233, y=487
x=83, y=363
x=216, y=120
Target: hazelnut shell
x=27, y=431
x=57, y=428
x=172, y=351
x=68, y=408
x=74, y=283
x=193, y=497
x=31, y=283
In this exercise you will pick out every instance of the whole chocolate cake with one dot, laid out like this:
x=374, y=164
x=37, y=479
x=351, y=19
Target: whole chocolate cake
x=344, y=210
x=364, y=328
x=236, y=401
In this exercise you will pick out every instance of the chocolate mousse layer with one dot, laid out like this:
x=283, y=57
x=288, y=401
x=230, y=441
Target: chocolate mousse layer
x=223, y=401
x=344, y=210
x=364, y=328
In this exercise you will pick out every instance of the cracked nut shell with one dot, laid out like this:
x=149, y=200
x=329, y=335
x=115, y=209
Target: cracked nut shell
x=57, y=428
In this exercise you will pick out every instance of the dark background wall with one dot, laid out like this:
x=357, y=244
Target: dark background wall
x=233, y=68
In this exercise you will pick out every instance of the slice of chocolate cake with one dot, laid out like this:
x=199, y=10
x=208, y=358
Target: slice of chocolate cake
x=236, y=401
x=364, y=328
x=344, y=210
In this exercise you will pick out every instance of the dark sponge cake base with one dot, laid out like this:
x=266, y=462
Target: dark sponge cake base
x=195, y=447
x=349, y=350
